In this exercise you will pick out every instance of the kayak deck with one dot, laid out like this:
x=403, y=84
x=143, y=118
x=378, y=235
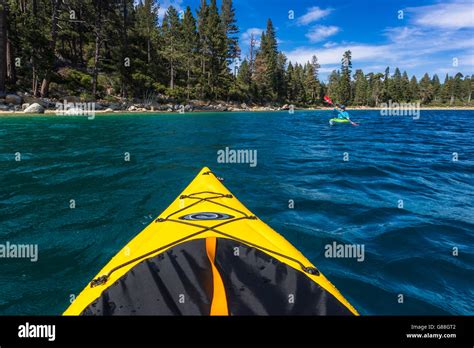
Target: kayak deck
x=207, y=254
x=333, y=121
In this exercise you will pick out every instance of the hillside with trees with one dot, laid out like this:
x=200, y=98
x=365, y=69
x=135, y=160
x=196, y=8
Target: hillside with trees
x=120, y=50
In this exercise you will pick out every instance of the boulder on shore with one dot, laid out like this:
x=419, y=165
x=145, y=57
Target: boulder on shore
x=34, y=109
x=13, y=99
x=32, y=100
x=115, y=106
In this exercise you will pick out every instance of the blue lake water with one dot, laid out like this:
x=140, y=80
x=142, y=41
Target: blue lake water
x=408, y=250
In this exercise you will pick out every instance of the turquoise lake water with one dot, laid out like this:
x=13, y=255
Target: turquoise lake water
x=300, y=157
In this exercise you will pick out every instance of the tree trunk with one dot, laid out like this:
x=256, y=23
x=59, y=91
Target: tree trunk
x=34, y=87
x=189, y=81
x=148, y=49
x=172, y=75
x=81, y=39
x=203, y=66
x=3, y=47
x=125, y=76
x=52, y=47
x=11, y=70
x=96, y=61
x=97, y=48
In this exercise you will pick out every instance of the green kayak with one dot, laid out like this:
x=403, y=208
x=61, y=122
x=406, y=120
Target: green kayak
x=334, y=121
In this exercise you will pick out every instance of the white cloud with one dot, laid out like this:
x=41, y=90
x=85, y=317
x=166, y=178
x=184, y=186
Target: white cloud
x=164, y=4
x=418, y=52
x=432, y=38
x=447, y=15
x=246, y=35
x=333, y=55
x=314, y=14
x=399, y=34
x=321, y=32
x=330, y=44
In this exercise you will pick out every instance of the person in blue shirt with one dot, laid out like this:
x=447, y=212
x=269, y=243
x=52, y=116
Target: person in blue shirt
x=341, y=112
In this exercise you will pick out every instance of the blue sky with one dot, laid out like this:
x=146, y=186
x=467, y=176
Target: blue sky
x=432, y=36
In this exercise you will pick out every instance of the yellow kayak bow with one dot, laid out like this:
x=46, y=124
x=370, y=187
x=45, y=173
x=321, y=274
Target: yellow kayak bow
x=207, y=254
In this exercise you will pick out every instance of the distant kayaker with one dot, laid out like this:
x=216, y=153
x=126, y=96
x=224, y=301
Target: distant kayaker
x=341, y=112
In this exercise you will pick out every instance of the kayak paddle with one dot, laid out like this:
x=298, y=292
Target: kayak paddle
x=329, y=101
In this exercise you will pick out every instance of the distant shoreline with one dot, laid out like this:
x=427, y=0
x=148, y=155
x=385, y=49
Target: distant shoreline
x=50, y=112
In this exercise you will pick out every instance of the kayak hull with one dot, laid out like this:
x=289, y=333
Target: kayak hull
x=334, y=121
x=207, y=254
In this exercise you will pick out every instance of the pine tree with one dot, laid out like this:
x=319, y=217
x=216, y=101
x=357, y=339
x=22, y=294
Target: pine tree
x=405, y=86
x=345, y=79
x=124, y=20
x=436, y=87
x=280, y=77
x=457, y=86
x=395, y=87
x=269, y=52
x=375, y=89
x=219, y=75
x=468, y=87
x=82, y=46
x=360, y=88
x=147, y=75
x=190, y=49
x=414, y=90
x=230, y=30
x=146, y=26
x=260, y=74
x=385, y=93
x=291, y=87
x=244, y=81
x=55, y=8
x=3, y=47
x=203, y=48
x=426, y=89
x=316, y=66
x=334, y=85
x=311, y=84
x=172, y=38
x=300, y=91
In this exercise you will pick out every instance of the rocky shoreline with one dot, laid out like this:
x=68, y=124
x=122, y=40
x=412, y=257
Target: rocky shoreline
x=24, y=103
x=27, y=104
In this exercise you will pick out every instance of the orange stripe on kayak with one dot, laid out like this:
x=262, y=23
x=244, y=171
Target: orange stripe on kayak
x=219, y=299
